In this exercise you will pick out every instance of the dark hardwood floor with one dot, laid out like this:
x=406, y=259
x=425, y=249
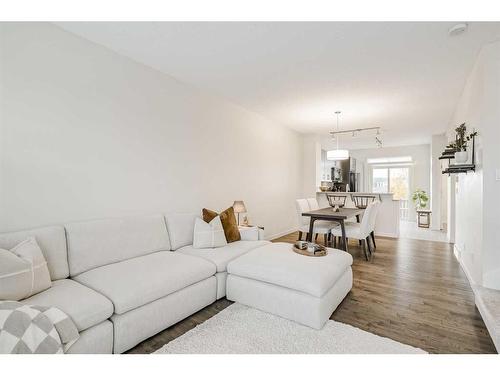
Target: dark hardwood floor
x=412, y=291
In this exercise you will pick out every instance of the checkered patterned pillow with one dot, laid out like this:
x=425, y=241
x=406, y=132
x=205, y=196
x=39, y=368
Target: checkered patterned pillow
x=34, y=330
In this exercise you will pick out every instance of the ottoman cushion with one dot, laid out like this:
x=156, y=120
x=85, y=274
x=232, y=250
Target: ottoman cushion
x=277, y=264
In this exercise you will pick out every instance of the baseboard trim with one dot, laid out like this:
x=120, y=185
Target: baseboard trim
x=478, y=300
x=280, y=234
x=390, y=235
x=457, y=253
x=490, y=320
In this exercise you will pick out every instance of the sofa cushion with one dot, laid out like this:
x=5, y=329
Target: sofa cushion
x=84, y=306
x=221, y=256
x=52, y=242
x=278, y=264
x=180, y=229
x=92, y=244
x=138, y=281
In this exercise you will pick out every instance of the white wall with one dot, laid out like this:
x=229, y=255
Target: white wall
x=312, y=169
x=326, y=166
x=438, y=200
x=87, y=133
x=420, y=171
x=477, y=200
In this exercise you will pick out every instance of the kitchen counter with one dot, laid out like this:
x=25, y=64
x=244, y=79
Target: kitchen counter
x=388, y=215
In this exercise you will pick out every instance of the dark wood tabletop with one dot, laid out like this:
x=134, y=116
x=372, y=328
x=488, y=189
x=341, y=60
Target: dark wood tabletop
x=328, y=213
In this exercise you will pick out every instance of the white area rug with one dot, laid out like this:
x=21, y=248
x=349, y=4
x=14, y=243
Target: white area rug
x=242, y=330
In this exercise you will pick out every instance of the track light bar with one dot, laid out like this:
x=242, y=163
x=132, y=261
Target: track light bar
x=352, y=131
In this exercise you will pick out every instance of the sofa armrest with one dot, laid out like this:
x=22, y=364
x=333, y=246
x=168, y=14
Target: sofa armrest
x=250, y=233
x=261, y=234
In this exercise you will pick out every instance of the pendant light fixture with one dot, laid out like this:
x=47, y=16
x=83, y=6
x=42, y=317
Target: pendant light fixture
x=337, y=154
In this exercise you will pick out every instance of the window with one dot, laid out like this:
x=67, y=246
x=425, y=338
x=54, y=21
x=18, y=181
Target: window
x=393, y=180
x=399, y=182
x=396, y=159
x=380, y=180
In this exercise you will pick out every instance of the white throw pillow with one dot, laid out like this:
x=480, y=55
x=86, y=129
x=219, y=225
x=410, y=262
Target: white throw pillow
x=208, y=235
x=23, y=271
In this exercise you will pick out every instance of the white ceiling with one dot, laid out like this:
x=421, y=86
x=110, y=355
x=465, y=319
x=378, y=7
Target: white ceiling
x=404, y=77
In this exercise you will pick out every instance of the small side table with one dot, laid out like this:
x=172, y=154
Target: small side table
x=424, y=218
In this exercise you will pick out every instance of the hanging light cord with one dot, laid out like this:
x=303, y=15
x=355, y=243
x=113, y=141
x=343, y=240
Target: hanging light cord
x=337, y=113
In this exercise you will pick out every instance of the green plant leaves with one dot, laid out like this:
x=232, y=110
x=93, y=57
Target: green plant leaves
x=420, y=198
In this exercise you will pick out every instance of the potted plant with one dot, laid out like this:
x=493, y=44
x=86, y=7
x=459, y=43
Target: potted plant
x=460, y=144
x=420, y=199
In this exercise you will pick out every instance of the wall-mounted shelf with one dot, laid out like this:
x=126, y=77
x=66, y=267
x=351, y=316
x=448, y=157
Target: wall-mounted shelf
x=459, y=168
x=449, y=154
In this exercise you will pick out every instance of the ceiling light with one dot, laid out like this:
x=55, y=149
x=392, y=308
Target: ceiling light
x=337, y=154
x=457, y=29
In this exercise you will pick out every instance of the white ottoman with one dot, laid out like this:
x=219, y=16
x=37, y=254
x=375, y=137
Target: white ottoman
x=275, y=279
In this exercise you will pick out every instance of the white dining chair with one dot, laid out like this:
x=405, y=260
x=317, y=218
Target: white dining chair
x=373, y=222
x=313, y=204
x=320, y=226
x=361, y=231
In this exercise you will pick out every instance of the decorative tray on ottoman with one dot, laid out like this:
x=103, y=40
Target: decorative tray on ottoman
x=309, y=249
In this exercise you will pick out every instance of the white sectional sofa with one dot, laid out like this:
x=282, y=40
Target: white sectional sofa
x=124, y=280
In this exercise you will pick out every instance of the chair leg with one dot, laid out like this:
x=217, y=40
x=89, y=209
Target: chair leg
x=359, y=241
x=365, y=250
x=369, y=246
x=335, y=241
x=300, y=236
x=316, y=238
x=325, y=239
x=373, y=239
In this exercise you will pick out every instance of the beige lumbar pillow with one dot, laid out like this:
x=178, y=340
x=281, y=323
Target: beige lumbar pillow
x=15, y=276
x=23, y=271
x=208, y=235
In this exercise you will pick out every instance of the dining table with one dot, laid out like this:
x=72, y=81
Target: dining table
x=329, y=214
